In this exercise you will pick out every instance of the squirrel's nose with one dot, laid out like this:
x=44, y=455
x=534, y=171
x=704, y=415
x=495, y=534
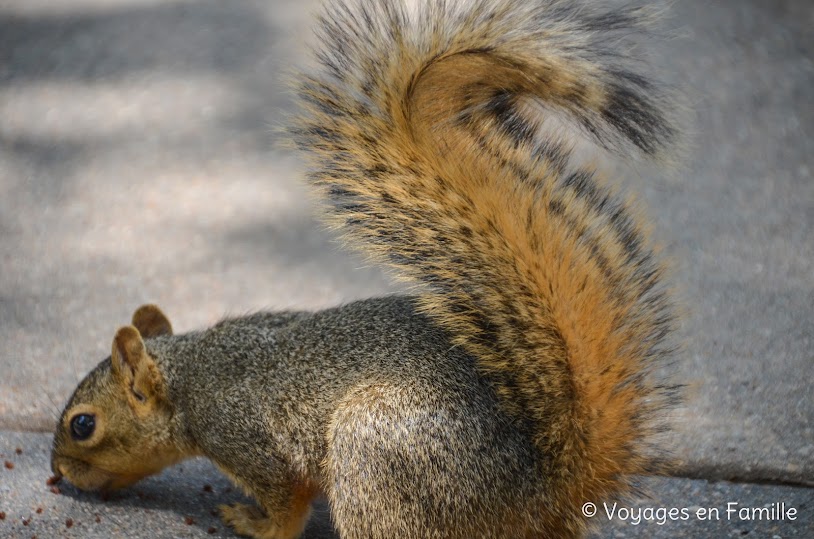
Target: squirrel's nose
x=57, y=477
x=55, y=469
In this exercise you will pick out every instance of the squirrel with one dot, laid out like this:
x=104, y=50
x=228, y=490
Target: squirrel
x=521, y=378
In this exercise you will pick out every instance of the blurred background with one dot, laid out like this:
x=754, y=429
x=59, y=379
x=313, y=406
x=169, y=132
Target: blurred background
x=138, y=164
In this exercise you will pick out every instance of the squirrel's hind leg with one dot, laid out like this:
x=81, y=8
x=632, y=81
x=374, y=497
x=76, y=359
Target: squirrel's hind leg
x=419, y=460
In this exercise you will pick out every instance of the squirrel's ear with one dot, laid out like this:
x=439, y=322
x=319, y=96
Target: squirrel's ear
x=151, y=322
x=131, y=364
x=128, y=351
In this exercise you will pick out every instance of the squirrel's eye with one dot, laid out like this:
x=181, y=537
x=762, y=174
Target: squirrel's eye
x=82, y=426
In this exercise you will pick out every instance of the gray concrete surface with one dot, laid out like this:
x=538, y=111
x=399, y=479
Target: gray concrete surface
x=137, y=164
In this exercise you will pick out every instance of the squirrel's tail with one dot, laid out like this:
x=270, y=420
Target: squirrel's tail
x=424, y=125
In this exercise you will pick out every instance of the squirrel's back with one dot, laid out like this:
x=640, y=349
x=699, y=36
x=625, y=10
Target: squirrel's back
x=424, y=126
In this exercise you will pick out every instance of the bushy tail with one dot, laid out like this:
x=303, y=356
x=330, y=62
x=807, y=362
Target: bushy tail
x=424, y=129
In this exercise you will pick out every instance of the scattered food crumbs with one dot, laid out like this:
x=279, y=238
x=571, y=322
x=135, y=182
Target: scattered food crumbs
x=53, y=480
x=2, y=515
x=26, y=521
x=98, y=519
x=56, y=490
x=211, y=530
x=207, y=488
x=39, y=510
x=9, y=465
x=19, y=450
x=189, y=521
x=69, y=523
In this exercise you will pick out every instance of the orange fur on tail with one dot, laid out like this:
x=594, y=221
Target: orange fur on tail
x=424, y=144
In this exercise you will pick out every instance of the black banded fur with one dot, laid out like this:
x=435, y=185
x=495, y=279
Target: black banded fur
x=423, y=127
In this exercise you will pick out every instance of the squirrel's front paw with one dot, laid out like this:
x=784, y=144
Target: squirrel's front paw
x=252, y=521
x=245, y=519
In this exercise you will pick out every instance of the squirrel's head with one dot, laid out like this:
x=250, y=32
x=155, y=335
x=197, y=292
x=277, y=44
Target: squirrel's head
x=118, y=426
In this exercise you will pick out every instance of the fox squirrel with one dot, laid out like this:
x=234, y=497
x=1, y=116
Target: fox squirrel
x=517, y=383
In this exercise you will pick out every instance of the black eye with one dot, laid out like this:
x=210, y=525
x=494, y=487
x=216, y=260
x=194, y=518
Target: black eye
x=82, y=426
